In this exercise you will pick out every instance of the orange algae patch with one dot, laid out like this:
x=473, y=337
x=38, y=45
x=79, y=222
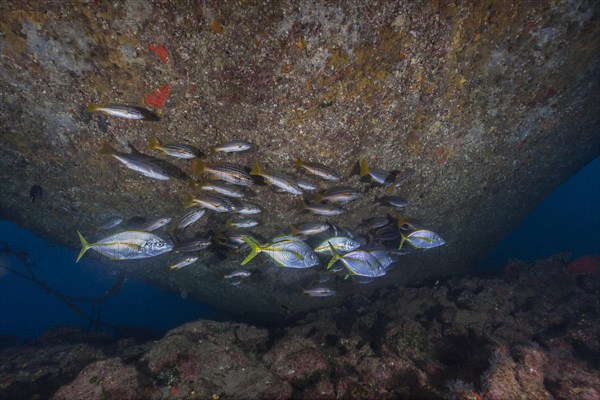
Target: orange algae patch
x=158, y=97
x=585, y=265
x=216, y=27
x=160, y=51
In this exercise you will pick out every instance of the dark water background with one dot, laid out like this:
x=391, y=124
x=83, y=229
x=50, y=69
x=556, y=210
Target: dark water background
x=567, y=221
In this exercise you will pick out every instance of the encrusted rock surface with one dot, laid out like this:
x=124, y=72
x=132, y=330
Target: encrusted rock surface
x=409, y=349
x=492, y=104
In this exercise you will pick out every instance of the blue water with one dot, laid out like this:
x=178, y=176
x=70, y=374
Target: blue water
x=27, y=310
x=568, y=220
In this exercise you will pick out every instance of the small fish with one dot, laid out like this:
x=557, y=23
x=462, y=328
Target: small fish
x=322, y=209
x=137, y=162
x=153, y=224
x=175, y=150
x=277, y=179
x=234, y=240
x=305, y=184
x=376, y=175
x=386, y=233
x=212, y=203
x=226, y=189
x=311, y=228
x=341, y=194
x=323, y=278
x=233, y=146
x=401, y=177
x=363, y=280
x=285, y=253
x=236, y=281
x=193, y=244
x=226, y=172
x=109, y=223
x=340, y=243
x=358, y=262
x=320, y=170
x=247, y=208
x=376, y=222
x=396, y=201
x=124, y=111
x=190, y=216
x=184, y=262
x=319, y=291
x=422, y=239
x=245, y=223
x=127, y=245
x=240, y=273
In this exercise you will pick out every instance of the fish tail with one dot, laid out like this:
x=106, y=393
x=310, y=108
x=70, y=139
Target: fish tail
x=188, y=200
x=256, y=169
x=212, y=150
x=402, y=240
x=301, y=205
x=297, y=163
x=93, y=107
x=364, y=167
x=154, y=143
x=317, y=197
x=85, y=246
x=294, y=230
x=198, y=167
x=254, y=246
x=106, y=149
x=335, y=257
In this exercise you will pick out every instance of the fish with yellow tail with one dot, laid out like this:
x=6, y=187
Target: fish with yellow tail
x=288, y=253
x=421, y=239
x=317, y=169
x=127, y=245
x=380, y=176
x=233, y=146
x=225, y=172
x=174, y=150
x=358, y=262
x=276, y=179
x=124, y=111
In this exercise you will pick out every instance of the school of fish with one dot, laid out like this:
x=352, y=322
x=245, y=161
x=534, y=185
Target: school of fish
x=364, y=253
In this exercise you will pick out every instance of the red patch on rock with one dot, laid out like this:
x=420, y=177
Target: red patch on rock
x=585, y=265
x=174, y=391
x=551, y=92
x=160, y=51
x=158, y=97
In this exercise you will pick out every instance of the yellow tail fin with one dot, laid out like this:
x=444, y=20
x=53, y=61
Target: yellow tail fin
x=198, y=167
x=106, y=149
x=364, y=167
x=294, y=230
x=298, y=163
x=212, y=150
x=335, y=257
x=85, y=246
x=188, y=200
x=154, y=144
x=254, y=246
x=256, y=169
x=93, y=107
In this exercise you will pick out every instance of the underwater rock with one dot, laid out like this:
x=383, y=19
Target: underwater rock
x=105, y=379
x=491, y=105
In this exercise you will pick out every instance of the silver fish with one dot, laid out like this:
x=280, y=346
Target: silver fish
x=190, y=216
x=339, y=243
x=184, y=262
x=226, y=172
x=153, y=224
x=319, y=291
x=231, y=147
x=124, y=111
x=240, y=273
x=401, y=177
x=320, y=170
x=226, y=189
x=377, y=175
x=323, y=209
x=383, y=256
x=277, y=179
x=341, y=194
x=127, y=245
x=245, y=223
x=376, y=222
x=285, y=253
x=174, y=150
x=137, y=162
x=308, y=229
x=358, y=262
x=110, y=223
x=396, y=201
x=247, y=208
x=422, y=239
x=305, y=184
x=193, y=244
x=212, y=203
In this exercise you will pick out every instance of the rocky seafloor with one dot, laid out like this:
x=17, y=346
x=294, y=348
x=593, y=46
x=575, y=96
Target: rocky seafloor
x=531, y=331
